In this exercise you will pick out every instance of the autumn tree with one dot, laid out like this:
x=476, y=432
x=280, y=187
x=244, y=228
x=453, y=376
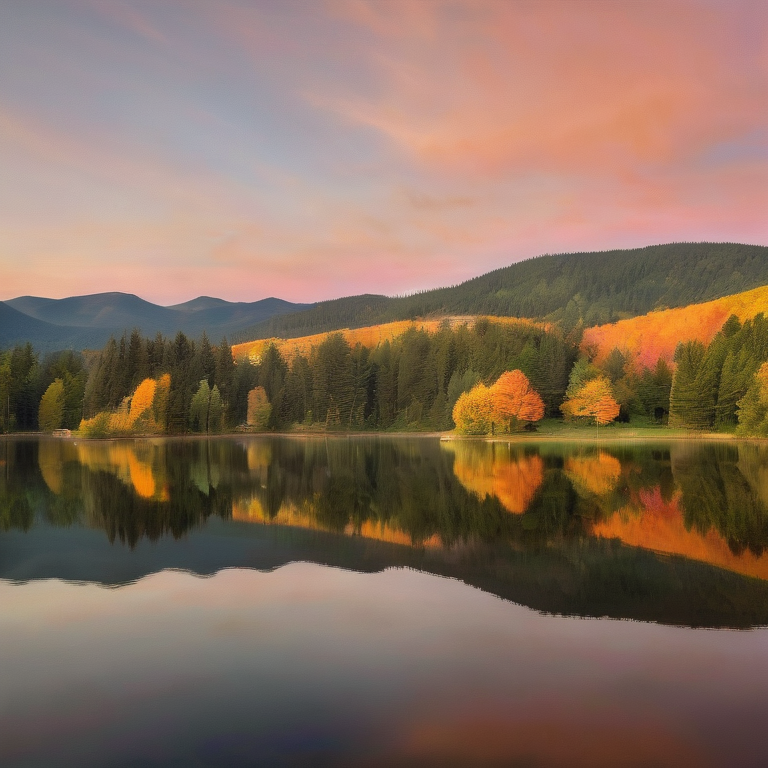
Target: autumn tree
x=51, y=410
x=142, y=399
x=515, y=401
x=594, y=400
x=259, y=408
x=473, y=411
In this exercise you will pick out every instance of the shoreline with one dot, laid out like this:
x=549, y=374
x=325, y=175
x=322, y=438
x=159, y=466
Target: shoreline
x=447, y=436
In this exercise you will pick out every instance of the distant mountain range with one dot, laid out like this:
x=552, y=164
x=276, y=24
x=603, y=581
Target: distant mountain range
x=81, y=322
x=592, y=288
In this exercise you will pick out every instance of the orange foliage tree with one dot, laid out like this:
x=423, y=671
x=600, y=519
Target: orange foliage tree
x=142, y=399
x=495, y=470
x=515, y=401
x=594, y=400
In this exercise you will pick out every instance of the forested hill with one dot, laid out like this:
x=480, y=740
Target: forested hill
x=595, y=288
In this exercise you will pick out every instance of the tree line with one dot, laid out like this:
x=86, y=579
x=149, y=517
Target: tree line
x=147, y=385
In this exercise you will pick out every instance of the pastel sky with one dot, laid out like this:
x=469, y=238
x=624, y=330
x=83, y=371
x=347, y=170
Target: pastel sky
x=310, y=150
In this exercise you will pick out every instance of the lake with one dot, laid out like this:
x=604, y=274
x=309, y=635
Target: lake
x=383, y=601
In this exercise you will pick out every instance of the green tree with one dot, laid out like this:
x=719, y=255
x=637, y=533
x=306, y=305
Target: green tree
x=582, y=372
x=333, y=383
x=199, y=406
x=215, y=410
x=5, y=393
x=259, y=409
x=51, y=410
x=685, y=405
x=753, y=407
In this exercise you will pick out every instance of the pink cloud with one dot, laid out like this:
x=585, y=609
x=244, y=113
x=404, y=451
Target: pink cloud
x=378, y=146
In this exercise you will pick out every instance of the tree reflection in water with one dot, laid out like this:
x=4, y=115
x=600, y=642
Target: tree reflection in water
x=699, y=500
x=569, y=528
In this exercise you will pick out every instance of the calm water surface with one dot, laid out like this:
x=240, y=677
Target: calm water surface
x=382, y=601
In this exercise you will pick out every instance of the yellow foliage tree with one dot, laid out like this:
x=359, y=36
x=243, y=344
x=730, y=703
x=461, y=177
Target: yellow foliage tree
x=473, y=411
x=51, y=411
x=142, y=399
x=596, y=474
x=120, y=420
x=259, y=408
x=141, y=413
x=515, y=401
x=594, y=400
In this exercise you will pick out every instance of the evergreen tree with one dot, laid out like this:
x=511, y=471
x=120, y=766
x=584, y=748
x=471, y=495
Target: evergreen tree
x=207, y=359
x=180, y=358
x=23, y=399
x=753, y=407
x=215, y=410
x=224, y=376
x=198, y=408
x=684, y=406
x=6, y=423
x=333, y=384
x=136, y=360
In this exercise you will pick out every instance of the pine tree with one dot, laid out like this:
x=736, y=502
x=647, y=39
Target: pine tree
x=207, y=359
x=333, y=383
x=753, y=407
x=224, y=377
x=684, y=397
x=198, y=407
x=215, y=410
x=137, y=366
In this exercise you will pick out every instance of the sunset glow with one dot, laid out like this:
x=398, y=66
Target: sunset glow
x=314, y=150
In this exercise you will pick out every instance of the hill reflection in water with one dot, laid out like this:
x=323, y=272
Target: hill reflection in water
x=671, y=532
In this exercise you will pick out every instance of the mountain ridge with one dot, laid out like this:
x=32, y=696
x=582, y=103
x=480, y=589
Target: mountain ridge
x=594, y=288
x=89, y=320
x=591, y=288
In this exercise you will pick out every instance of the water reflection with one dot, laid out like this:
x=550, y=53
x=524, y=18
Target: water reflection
x=497, y=470
x=500, y=515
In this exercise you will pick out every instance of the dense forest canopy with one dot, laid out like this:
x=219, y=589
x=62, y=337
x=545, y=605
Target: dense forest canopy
x=417, y=381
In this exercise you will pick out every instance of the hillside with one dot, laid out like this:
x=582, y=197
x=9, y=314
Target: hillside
x=368, y=336
x=16, y=327
x=88, y=321
x=595, y=288
x=649, y=337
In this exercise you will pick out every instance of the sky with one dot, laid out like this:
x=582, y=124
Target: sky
x=317, y=149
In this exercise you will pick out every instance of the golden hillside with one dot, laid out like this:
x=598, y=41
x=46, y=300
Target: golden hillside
x=649, y=337
x=370, y=336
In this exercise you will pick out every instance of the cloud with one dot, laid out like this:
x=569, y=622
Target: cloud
x=252, y=150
